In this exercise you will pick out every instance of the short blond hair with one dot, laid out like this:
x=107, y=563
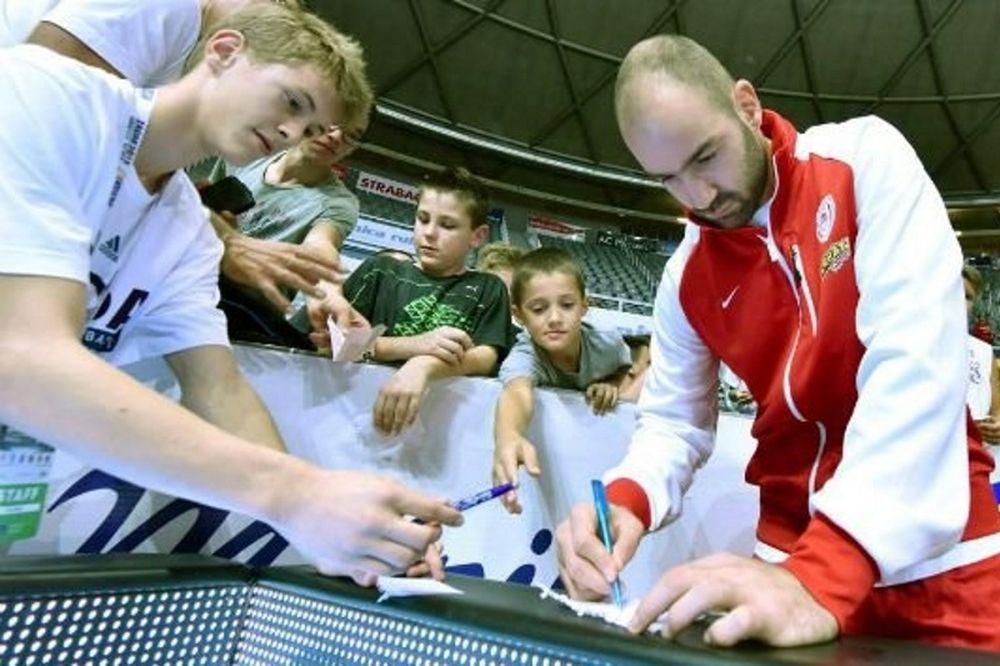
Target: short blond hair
x=281, y=35
x=498, y=256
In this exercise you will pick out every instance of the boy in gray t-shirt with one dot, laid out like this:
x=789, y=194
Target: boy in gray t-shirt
x=557, y=348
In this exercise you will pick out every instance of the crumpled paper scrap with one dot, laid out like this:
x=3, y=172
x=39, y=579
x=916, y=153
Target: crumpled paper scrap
x=391, y=586
x=350, y=345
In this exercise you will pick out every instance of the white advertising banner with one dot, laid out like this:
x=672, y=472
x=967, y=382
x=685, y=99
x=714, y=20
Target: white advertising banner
x=324, y=412
x=372, y=233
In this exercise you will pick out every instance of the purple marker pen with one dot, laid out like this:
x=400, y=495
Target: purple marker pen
x=484, y=496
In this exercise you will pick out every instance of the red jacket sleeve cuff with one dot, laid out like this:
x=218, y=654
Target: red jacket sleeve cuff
x=830, y=564
x=629, y=494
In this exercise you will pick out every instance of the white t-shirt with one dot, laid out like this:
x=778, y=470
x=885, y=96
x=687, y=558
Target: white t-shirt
x=72, y=206
x=19, y=17
x=148, y=41
x=979, y=393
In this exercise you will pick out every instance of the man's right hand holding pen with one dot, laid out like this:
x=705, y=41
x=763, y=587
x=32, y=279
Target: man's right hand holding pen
x=585, y=565
x=742, y=597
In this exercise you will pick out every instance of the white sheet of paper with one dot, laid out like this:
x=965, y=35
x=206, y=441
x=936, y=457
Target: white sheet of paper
x=350, y=345
x=602, y=610
x=390, y=587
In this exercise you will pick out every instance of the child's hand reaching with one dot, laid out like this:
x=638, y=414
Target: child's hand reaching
x=602, y=397
x=990, y=429
x=509, y=454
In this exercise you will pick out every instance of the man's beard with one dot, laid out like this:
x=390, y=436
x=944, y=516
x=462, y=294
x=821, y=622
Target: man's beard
x=755, y=167
x=754, y=182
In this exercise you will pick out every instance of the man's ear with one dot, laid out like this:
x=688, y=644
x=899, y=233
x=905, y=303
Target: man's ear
x=747, y=103
x=480, y=235
x=223, y=47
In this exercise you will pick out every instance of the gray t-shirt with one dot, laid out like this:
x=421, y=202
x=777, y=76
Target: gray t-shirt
x=288, y=213
x=602, y=353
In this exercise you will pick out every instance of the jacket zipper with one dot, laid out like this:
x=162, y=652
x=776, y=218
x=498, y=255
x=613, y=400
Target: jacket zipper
x=796, y=280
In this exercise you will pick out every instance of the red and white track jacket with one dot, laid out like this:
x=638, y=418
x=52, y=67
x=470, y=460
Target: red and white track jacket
x=844, y=315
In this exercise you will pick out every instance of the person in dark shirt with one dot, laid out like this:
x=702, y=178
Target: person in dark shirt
x=442, y=319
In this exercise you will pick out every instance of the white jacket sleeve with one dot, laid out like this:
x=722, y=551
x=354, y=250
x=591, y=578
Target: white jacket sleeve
x=905, y=452
x=678, y=409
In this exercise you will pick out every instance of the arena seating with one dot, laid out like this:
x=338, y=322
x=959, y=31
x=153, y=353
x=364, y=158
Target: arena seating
x=617, y=278
x=386, y=209
x=609, y=271
x=654, y=263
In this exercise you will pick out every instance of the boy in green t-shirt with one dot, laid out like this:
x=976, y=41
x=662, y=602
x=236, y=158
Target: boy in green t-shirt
x=442, y=319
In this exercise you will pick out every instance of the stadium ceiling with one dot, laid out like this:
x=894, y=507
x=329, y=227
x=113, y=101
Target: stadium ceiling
x=521, y=90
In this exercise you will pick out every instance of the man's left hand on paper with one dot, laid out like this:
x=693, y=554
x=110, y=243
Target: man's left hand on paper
x=760, y=601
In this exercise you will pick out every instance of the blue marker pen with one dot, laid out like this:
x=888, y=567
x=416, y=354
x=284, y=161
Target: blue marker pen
x=601, y=507
x=484, y=496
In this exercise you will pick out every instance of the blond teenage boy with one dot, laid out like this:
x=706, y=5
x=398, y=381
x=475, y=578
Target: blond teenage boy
x=149, y=44
x=556, y=349
x=106, y=256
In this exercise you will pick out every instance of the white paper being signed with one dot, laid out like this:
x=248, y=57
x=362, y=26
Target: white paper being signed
x=601, y=610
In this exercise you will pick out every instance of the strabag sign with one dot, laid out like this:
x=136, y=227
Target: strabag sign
x=388, y=188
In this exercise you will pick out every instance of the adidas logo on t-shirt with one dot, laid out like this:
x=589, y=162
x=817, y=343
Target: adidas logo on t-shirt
x=109, y=248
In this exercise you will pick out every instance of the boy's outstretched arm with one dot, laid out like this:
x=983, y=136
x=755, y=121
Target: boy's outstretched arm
x=326, y=238
x=344, y=522
x=515, y=407
x=399, y=398
x=446, y=343
x=214, y=388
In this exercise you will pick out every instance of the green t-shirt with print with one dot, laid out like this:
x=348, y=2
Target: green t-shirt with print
x=410, y=302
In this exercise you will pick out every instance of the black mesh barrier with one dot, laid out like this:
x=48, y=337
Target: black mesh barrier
x=283, y=628
x=112, y=610
x=185, y=627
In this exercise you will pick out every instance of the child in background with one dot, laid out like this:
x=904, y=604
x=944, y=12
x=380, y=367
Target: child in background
x=983, y=392
x=499, y=259
x=631, y=385
x=557, y=349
